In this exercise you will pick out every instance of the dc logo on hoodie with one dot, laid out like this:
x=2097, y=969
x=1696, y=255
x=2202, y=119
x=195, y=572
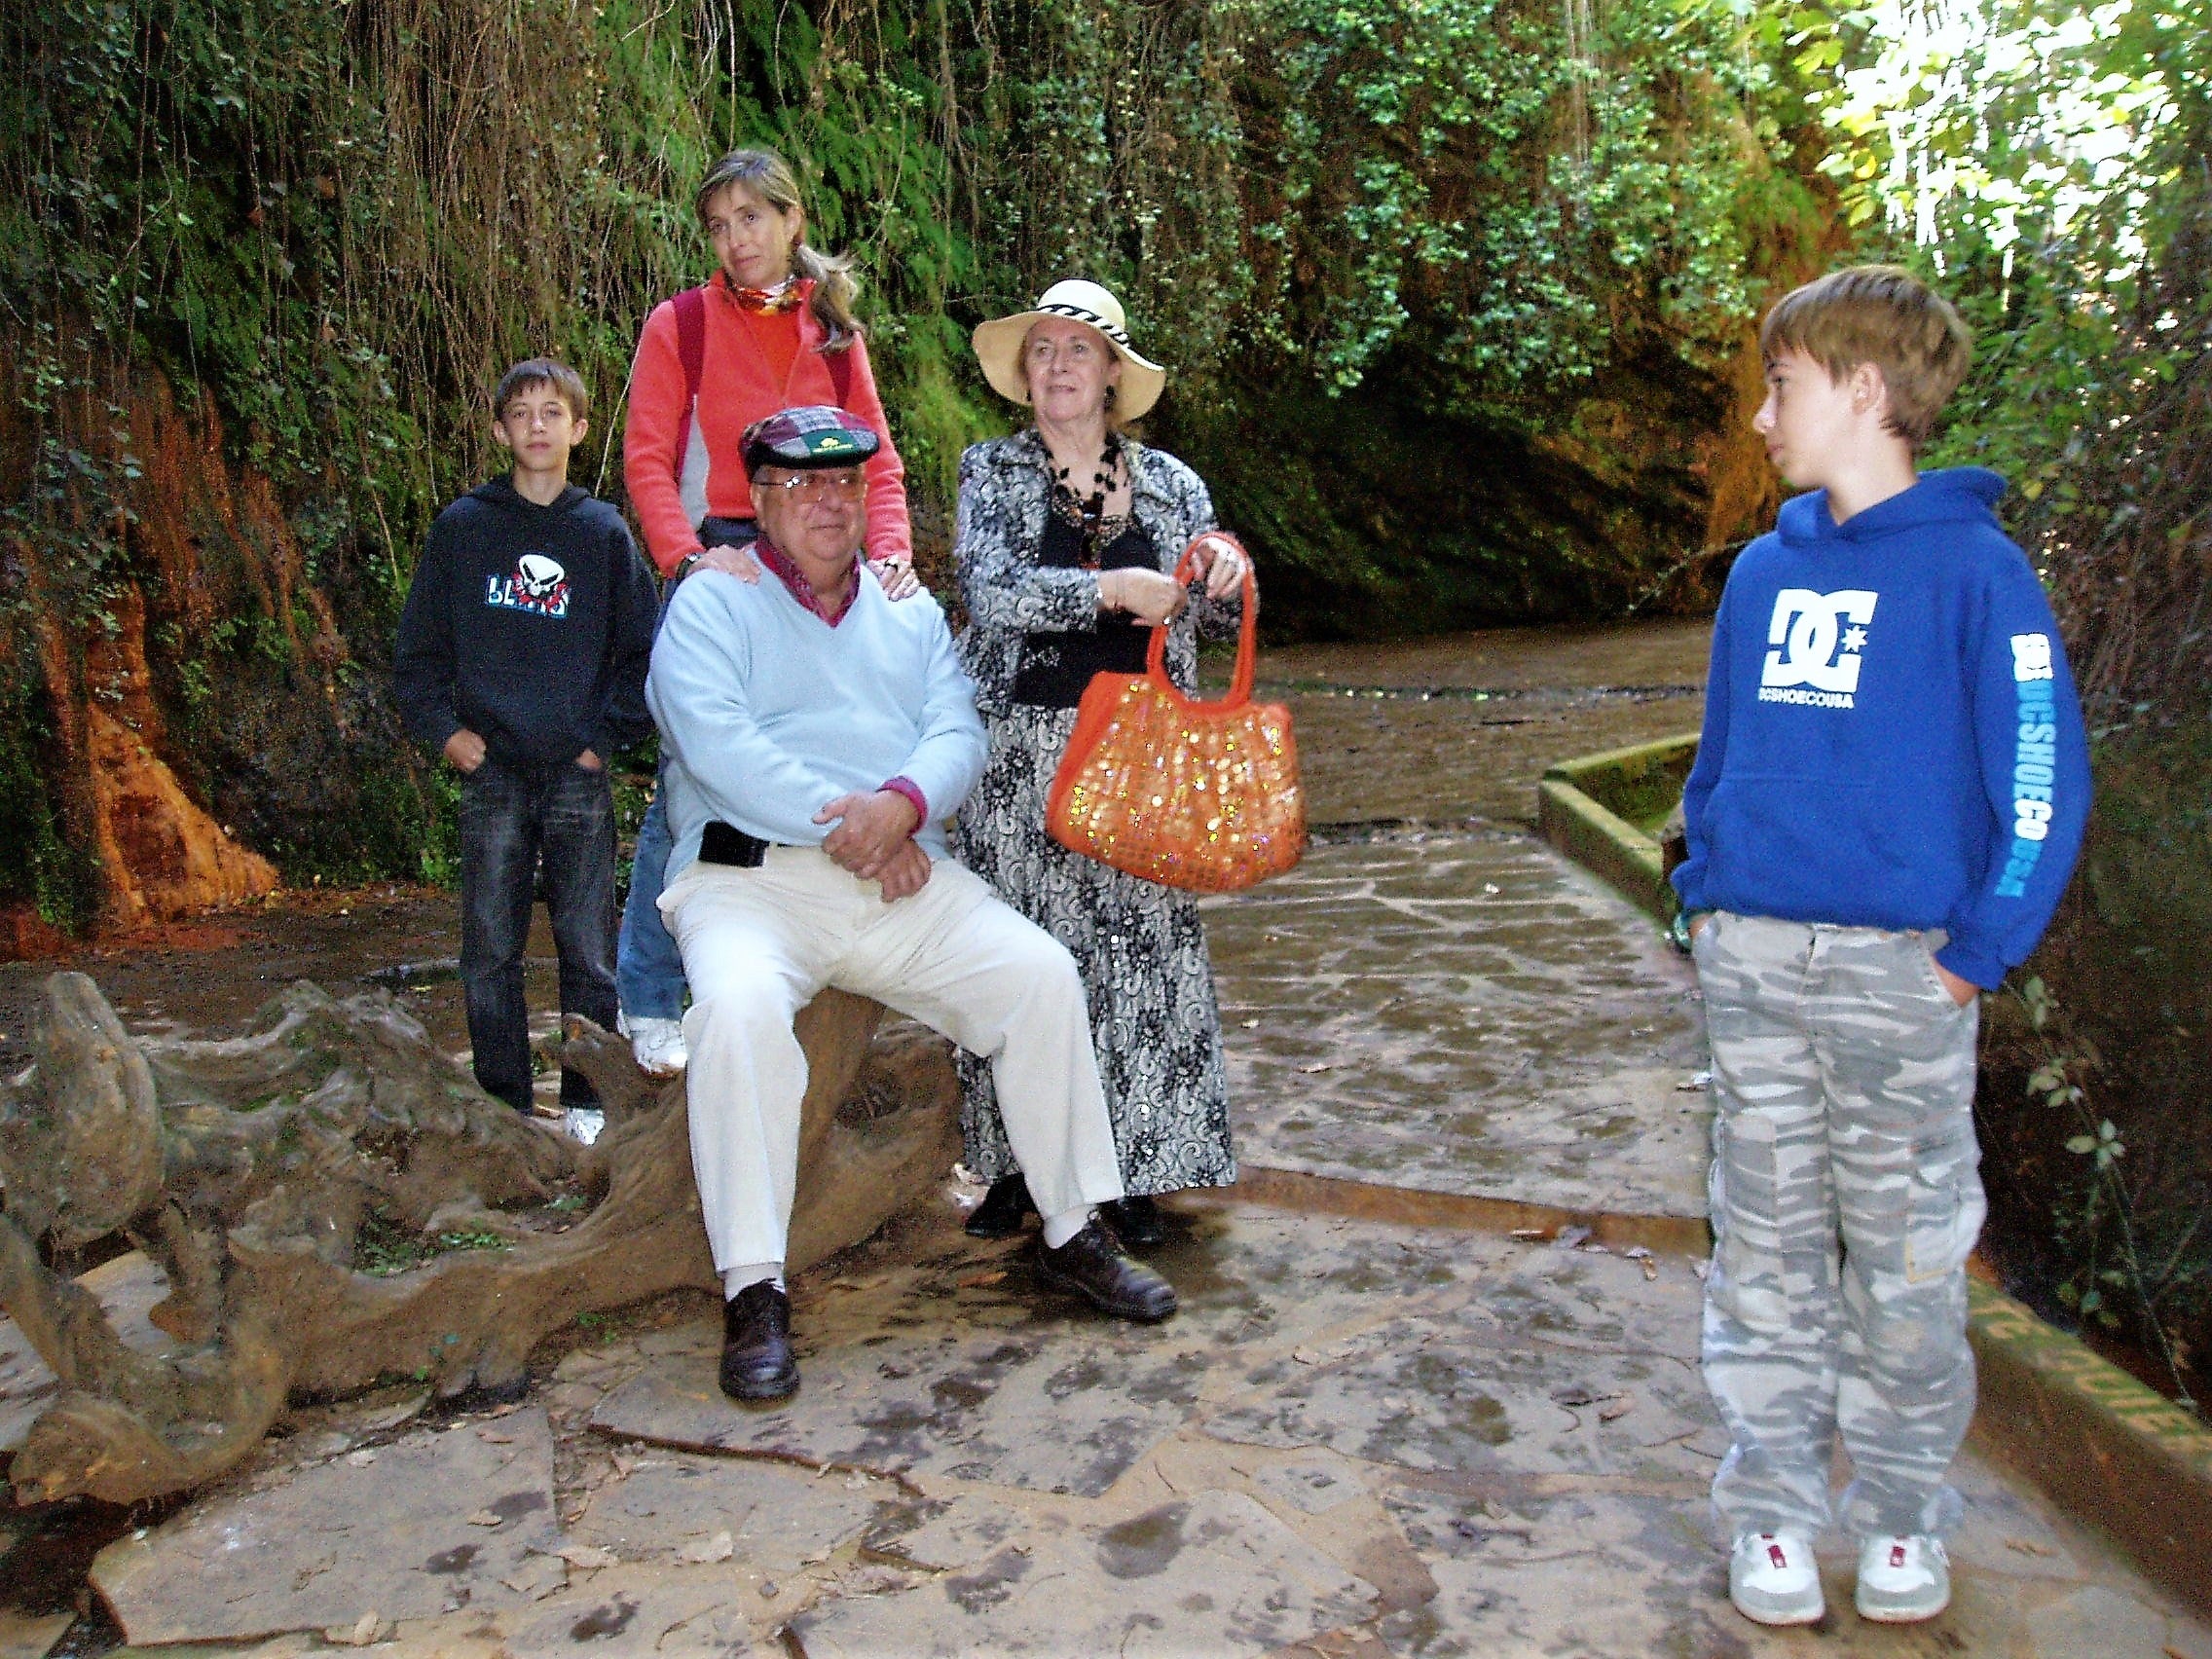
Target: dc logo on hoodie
x=1820, y=637
x=539, y=585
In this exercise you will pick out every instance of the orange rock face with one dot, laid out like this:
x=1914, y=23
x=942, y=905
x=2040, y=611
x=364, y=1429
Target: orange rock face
x=161, y=853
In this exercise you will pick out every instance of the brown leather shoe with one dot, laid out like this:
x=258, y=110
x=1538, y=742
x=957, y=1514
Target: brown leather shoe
x=1094, y=1266
x=757, y=1345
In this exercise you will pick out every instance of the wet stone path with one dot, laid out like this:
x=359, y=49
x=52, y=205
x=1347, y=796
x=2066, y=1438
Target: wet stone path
x=1433, y=1389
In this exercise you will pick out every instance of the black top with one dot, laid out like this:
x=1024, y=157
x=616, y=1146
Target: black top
x=532, y=626
x=1056, y=667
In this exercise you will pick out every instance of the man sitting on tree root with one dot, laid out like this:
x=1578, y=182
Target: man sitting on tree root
x=819, y=736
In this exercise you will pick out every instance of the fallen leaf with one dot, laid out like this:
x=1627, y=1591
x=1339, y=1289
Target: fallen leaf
x=584, y=1555
x=484, y=1518
x=1574, y=1394
x=359, y=1634
x=493, y=1437
x=1527, y=1232
x=1568, y=1237
x=977, y=1281
x=701, y=1551
x=362, y=1459
x=1617, y=1409
x=1306, y=1356
x=1319, y=1066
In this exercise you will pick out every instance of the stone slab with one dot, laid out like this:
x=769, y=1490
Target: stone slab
x=384, y=1531
x=1363, y=759
x=31, y=1635
x=128, y=1289
x=674, y=1506
x=698, y=1613
x=1462, y=1014
x=961, y=1365
x=1215, y=1574
x=941, y=1537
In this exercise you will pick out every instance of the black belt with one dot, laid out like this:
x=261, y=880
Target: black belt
x=723, y=843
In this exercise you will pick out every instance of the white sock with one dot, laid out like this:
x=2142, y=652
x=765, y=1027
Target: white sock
x=1059, y=1228
x=735, y=1279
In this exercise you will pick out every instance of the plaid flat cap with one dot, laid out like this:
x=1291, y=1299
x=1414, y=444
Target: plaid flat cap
x=808, y=438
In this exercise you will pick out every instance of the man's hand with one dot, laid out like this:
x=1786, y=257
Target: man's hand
x=1147, y=595
x=1698, y=922
x=1963, y=991
x=1221, y=563
x=465, y=750
x=590, y=762
x=873, y=827
x=907, y=873
x=735, y=561
x=896, y=578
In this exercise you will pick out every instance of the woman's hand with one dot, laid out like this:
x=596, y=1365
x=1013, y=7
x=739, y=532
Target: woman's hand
x=732, y=560
x=896, y=578
x=1221, y=563
x=1152, y=596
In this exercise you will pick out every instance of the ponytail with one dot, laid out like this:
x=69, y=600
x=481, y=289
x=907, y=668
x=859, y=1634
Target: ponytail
x=834, y=290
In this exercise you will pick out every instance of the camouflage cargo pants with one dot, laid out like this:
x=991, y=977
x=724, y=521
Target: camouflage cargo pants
x=1845, y=1200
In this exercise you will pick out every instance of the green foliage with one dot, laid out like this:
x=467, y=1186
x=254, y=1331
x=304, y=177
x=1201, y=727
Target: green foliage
x=329, y=229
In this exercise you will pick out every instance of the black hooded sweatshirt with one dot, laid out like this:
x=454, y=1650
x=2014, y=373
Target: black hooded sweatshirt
x=531, y=626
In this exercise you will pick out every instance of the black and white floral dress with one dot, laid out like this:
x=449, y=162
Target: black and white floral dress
x=1034, y=620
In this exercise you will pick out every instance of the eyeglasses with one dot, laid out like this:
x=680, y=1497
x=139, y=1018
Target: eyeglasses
x=842, y=483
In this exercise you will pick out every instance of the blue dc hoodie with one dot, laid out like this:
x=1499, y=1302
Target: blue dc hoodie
x=1891, y=738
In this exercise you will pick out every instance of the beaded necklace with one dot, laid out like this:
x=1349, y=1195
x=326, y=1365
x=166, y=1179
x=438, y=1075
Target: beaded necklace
x=1092, y=512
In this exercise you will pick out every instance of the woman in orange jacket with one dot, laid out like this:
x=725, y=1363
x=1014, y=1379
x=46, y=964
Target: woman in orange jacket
x=771, y=329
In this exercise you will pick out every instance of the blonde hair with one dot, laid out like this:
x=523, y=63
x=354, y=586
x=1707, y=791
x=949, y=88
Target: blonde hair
x=769, y=177
x=1884, y=315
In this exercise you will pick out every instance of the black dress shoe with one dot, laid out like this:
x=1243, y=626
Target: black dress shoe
x=1094, y=1266
x=1136, y=1221
x=757, y=1345
x=999, y=1215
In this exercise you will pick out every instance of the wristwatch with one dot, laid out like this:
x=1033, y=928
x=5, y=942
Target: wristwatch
x=684, y=564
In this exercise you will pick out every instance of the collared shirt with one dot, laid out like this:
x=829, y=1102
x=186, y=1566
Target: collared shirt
x=802, y=590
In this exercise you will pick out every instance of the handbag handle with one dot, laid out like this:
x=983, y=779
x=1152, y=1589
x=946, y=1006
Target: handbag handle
x=1247, y=633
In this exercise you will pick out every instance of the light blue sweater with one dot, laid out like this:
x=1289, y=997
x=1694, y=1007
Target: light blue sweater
x=768, y=713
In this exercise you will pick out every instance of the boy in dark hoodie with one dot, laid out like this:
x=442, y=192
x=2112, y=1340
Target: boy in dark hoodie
x=521, y=658
x=1888, y=795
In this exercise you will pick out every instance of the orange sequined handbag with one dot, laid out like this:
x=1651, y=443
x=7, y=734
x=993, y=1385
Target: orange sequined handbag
x=1193, y=795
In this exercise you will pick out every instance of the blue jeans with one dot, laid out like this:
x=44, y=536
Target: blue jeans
x=648, y=967
x=516, y=821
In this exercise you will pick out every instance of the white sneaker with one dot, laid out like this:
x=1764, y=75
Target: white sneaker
x=658, y=1045
x=1773, y=1580
x=1902, y=1579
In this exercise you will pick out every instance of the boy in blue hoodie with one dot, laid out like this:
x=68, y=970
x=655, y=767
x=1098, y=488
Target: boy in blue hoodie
x=522, y=660
x=1889, y=796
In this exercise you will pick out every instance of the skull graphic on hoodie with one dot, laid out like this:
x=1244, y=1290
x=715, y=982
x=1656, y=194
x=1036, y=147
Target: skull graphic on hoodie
x=536, y=584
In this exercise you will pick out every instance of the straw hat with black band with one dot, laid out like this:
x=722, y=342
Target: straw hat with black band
x=998, y=345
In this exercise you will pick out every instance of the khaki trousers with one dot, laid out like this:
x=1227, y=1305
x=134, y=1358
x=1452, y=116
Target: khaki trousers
x=758, y=944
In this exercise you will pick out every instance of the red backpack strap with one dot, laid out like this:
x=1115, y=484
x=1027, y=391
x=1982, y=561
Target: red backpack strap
x=691, y=352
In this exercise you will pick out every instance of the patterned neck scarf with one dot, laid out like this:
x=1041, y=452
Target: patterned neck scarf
x=782, y=297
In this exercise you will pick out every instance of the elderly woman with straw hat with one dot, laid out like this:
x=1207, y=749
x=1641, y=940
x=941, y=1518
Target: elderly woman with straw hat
x=1067, y=535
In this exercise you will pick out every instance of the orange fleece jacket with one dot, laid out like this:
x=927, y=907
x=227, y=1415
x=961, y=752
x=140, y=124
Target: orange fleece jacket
x=737, y=386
